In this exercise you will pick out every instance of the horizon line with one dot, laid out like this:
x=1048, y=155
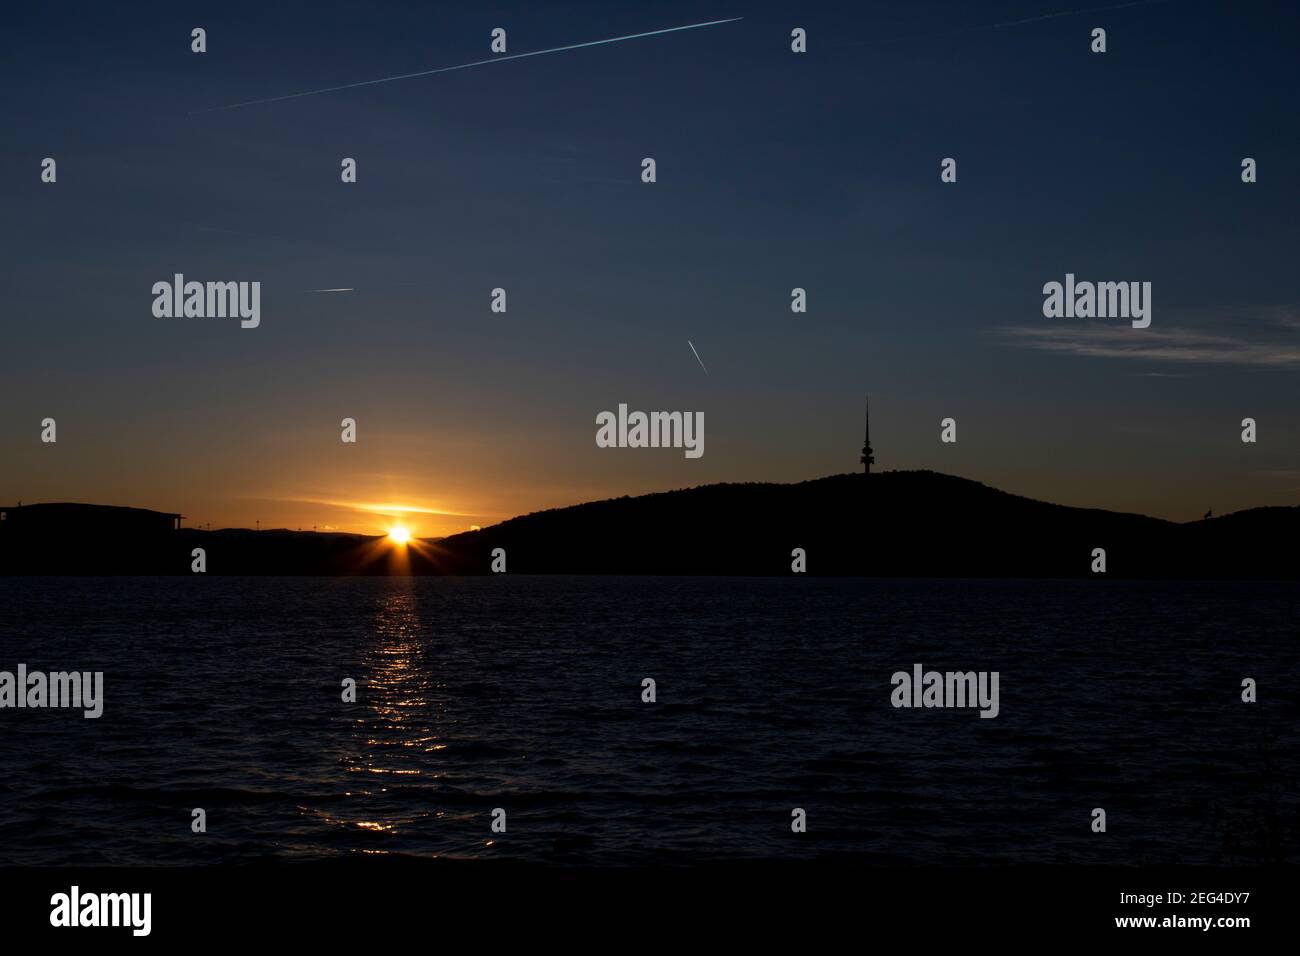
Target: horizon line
x=840, y=475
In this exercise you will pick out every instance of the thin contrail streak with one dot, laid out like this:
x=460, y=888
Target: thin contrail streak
x=697, y=356
x=466, y=66
x=329, y=290
x=1009, y=23
x=1071, y=13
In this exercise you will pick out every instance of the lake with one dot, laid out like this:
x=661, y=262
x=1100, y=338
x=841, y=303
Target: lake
x=525, y=694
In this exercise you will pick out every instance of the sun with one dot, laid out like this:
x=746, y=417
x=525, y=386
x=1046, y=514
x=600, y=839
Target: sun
x=399, y=535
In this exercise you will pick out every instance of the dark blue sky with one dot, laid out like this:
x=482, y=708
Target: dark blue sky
x=775, y=170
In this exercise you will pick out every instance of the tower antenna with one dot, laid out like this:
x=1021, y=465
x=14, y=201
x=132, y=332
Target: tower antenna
x=868, y=459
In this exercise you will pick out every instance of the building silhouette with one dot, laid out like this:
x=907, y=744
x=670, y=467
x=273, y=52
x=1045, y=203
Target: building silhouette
x=81, y=520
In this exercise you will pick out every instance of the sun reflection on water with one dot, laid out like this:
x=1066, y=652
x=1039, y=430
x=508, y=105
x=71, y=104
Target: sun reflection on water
x=397, y=727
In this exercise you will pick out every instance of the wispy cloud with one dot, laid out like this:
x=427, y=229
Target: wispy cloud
x=1267, y=338
x=381, y=509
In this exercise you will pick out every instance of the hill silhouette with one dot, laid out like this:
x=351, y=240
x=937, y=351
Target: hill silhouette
x=900, y=523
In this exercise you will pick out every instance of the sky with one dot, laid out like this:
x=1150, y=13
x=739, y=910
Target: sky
x=775, y=170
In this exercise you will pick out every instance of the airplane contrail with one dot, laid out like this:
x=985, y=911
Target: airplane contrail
x=329, y=290
x=466, y=66
x=1007, y=23
x=1071, y=13
x=697, y=356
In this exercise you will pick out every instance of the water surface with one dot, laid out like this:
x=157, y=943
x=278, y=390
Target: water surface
x=773, y=693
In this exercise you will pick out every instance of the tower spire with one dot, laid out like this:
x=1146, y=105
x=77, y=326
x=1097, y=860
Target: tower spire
x=868, y=459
